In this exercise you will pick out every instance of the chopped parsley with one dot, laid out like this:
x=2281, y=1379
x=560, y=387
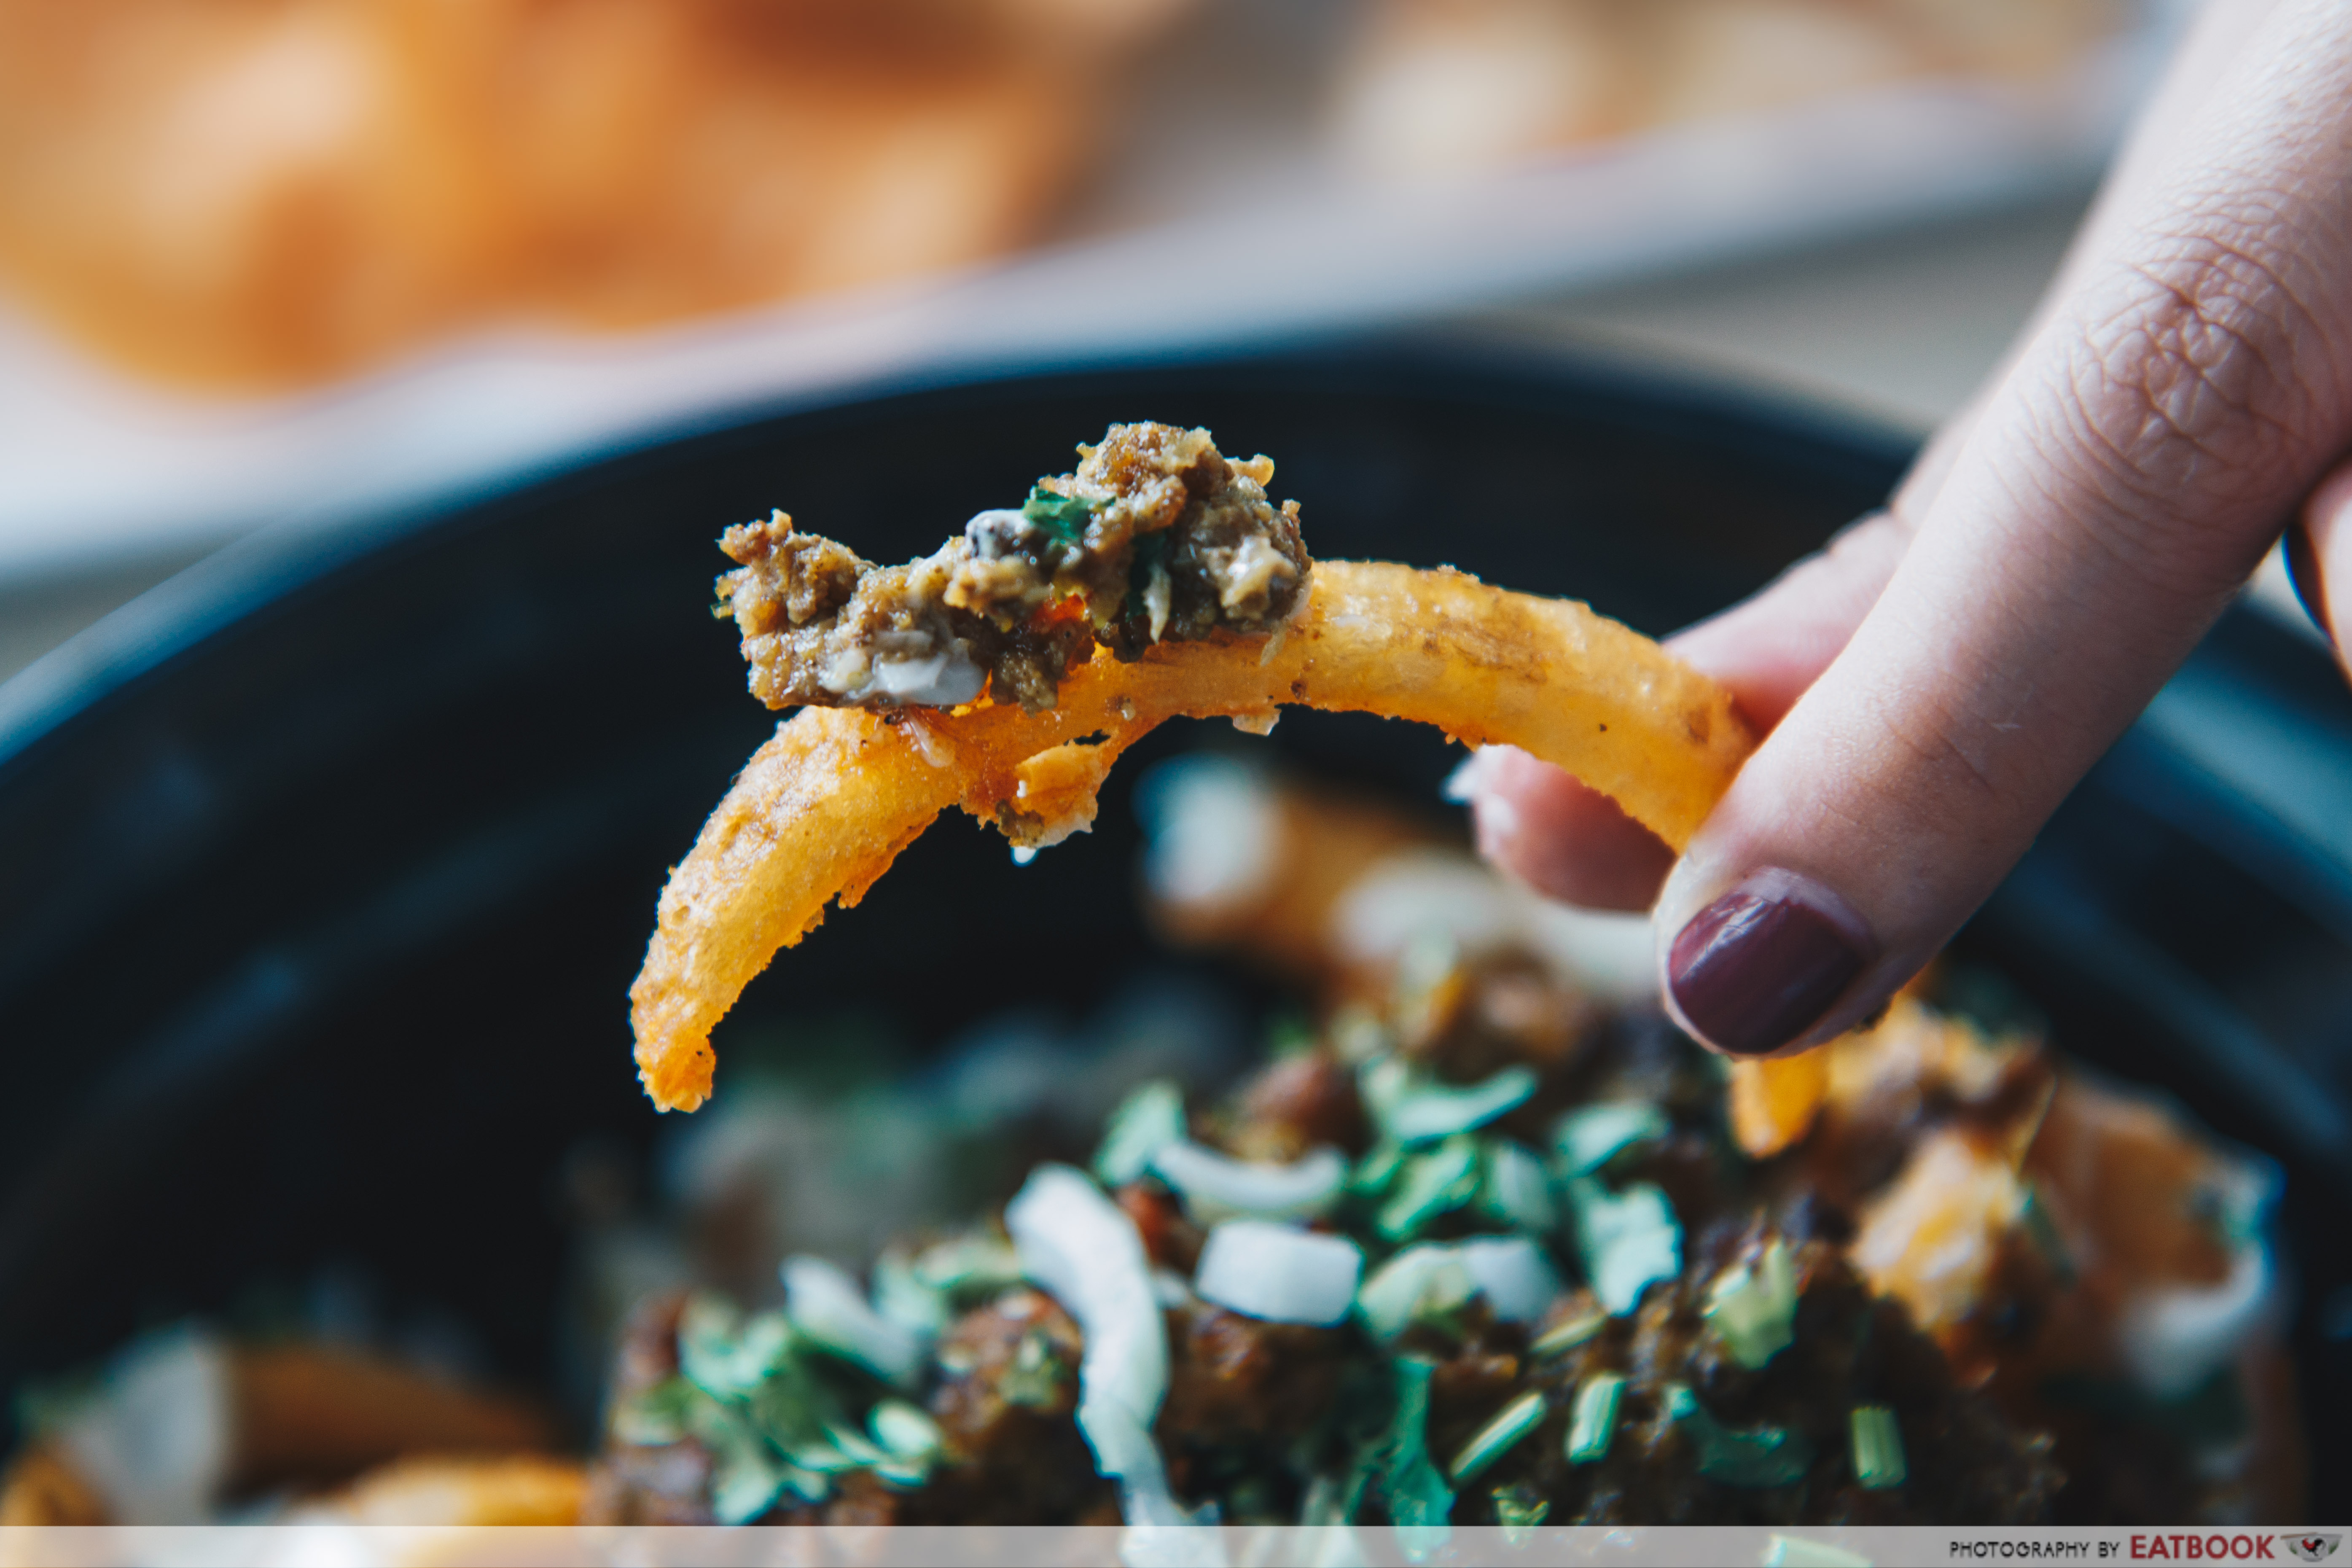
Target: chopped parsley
x=1428, y=1185
x=1411, y=1109
x=1877, y=1448
x=1514, y=1189
x=1497, y=1437
x=1593, y=1419
x=1592, y=1135
x=1758, y=1459
x=1149, y=1119
x=1417, y=1498
x=1753, y=1308
x=1627, y=1240
x=1064, y=518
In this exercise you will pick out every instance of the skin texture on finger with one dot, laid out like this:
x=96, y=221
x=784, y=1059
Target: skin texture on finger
x=2211, y=47
x=1566, y=841
x=1571, y=843
x=2097, y=515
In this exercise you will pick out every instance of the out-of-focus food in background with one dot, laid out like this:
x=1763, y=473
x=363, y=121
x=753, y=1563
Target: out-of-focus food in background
x=281, y=190
x=259, y=193
x=1444, y=86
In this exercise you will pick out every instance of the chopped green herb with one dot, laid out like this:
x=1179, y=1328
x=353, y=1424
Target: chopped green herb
x=745, y=1479
x=1416, y=1496
x=1289, y=1034
x=727, y=1355
x=1627, y=1240
x=1568, y=1334
x=1753, y=1308
x=1036, y=1376
x=1430, y=1185
x=1150, y=1118
x=1376, y=1170
x=746, y=1474
x=823, y=1456
x=658, y=1414
x=975, y=1263
x=1419, y=1284
x=902, y=1295
x=1877, y=1448
x=798, y=1413
x=904, y=1430
x=909, y=1442
x=1357, y=1034
x=1496, y=1439
x=1796, y=1551
x=1064, y=517
x=1514, y=1189
x=830, y=1311
x=1592, y=1135
x=1593, y=1419
x=1411, y=1109
x=1520, y=1510
x=1758, y=1459
x=1334, y=1499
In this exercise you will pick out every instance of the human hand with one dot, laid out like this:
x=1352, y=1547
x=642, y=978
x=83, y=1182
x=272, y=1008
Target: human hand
x=1937, y=680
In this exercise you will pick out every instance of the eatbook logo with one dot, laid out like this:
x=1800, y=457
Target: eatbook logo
x=2312, y=1548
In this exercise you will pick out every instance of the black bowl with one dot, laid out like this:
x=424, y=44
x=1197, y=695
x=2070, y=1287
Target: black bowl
x=324, y=869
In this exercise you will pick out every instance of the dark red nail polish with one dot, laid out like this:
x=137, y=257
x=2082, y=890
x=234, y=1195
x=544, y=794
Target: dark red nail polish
x=1758, y=966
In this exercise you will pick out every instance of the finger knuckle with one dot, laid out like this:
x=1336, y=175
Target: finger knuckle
x=2195, y=375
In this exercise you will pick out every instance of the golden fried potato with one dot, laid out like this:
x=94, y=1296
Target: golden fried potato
x=258, y=195
x=826, y=805
x=316, y=1412
x=497, y=1489
x=41, y=1487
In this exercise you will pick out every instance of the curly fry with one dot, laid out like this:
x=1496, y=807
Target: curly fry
x=823, y=809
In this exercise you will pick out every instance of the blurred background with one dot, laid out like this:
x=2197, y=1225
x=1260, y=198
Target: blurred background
x=270, y=259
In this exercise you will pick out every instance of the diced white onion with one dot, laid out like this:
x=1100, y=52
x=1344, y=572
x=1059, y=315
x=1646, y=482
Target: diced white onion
x=1416, y=893
x=1517, y=1279
x=825, y=1303
x=1214, y=1186
x=942, y=681
x=1083, y=1250
x=1511, y=1272
x=1279, y=1273
x=2174, y=1337
x=156, y=1440
x=1215, y=828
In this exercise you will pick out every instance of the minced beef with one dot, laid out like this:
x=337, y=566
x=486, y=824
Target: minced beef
x=1155, y=537
x=1965, y=1460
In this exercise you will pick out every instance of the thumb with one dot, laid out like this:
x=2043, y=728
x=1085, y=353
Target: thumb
x=2116, y=487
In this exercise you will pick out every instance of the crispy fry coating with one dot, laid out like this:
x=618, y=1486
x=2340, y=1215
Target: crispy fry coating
x=823, y=807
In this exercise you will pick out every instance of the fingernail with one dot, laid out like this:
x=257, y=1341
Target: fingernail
x=1759, y=966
